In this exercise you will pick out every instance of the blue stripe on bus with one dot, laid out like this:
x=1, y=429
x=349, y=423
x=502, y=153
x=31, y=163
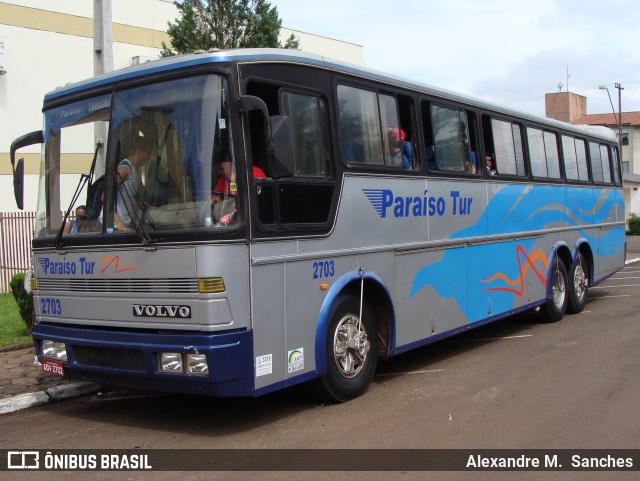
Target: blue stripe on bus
x=511, y=210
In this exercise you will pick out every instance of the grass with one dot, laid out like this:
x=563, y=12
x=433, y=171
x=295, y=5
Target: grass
x=13, y=329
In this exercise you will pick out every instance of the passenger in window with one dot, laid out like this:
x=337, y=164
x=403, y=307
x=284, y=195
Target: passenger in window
x=407, y=151
x=226, y=184
x=77, y=225
x=397, y=139
x=490, y=165
x=470, y=167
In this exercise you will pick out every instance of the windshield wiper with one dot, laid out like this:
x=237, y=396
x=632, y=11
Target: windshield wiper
x=84, y=178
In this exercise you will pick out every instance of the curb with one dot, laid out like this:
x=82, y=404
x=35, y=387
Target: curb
x=57, y=393
x=16, y=347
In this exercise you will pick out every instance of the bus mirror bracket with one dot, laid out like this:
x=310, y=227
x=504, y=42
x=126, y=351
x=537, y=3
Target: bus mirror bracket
x=31, y=138
x=280, y=146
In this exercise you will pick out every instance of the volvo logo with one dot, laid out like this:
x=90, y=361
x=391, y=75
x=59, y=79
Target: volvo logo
x=154, y=310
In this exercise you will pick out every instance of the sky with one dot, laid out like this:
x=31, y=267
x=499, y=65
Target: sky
x=509, y=52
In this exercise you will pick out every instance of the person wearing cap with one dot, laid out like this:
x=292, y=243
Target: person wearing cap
x=226, y=184
x=397, y=139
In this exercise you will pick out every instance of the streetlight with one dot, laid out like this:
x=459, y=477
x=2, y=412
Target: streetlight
x=619, y=119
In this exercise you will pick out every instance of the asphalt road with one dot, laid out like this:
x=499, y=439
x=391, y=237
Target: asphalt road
x=514, y=384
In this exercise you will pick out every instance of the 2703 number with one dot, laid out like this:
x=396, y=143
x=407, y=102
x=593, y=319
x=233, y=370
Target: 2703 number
x=50, y=306
x=323, y=269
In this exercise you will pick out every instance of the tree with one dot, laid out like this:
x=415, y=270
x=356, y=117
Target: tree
x=206, y=24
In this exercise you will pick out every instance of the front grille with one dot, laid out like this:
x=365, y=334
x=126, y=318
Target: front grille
x=159, y=286
x=114, y=380
x=110, y=358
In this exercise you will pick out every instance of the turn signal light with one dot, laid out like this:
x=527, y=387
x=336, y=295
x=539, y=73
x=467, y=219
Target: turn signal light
x=210, y=285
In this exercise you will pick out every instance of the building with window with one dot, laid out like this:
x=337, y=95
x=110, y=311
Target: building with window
x=45, y=45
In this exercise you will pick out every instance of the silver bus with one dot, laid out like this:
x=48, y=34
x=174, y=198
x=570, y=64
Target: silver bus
x=255, y=219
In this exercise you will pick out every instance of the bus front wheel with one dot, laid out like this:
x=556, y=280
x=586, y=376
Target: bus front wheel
x=351, y=351
x=556, y=305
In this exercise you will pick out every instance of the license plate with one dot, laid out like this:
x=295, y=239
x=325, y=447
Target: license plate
x=52, y=367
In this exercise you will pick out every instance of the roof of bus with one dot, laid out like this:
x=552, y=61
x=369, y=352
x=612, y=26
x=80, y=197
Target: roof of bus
x=286, y=55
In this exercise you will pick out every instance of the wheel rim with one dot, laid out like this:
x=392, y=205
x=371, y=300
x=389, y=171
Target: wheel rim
x=580, y=281
x=350, y=346
x=558, y=289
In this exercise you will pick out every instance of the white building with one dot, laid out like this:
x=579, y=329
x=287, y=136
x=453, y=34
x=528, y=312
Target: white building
x=45, y=44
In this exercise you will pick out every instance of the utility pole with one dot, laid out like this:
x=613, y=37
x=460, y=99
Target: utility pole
x=102, y=63
x=620, y=89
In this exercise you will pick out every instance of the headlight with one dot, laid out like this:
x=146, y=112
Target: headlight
x=179, y=363
x=197, y=364
x=54, y=350
x=171, y=362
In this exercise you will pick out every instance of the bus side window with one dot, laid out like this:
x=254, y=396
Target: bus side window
x=375, y=128
x=454, y=146
x=543, y=153
x=616, y=163
x=504, y=139
x=306, y=196
x=596, y=162
x=427, y=135
x=606, y=164
x=410, y=145
x=574, y=155
x=307, y=114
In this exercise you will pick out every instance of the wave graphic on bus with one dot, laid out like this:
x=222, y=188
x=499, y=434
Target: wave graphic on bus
x=513, y=209
x=529, y=264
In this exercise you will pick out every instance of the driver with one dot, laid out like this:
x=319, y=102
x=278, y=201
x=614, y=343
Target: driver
x=129, y=180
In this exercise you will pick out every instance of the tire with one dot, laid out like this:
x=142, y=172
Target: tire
x=556, y=305
x=350, y=368
x=578, y=285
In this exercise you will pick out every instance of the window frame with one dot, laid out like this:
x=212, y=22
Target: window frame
x=600, y=164
x=574, y=141
x=382, y=125
x=549, y=159
x=324, y=134
x=463, y=140
x=489, y=118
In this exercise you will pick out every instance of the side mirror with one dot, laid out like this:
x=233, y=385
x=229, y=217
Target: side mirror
x=281, y=164
x=18, y=184
x=31, y=138
x=279, y=143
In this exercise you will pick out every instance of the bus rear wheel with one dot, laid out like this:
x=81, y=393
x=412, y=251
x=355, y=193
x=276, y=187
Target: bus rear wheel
x=579, y=282
x=556, y=305
x=351, y=351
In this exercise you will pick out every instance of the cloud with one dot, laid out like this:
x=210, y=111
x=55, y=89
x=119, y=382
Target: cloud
x=500, y=50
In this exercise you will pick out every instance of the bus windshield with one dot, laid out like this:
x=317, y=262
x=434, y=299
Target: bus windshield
x=168, y=166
